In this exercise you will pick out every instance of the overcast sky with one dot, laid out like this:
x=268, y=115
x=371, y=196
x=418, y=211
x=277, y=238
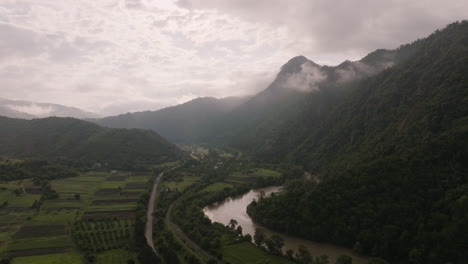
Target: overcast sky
x=114, y=56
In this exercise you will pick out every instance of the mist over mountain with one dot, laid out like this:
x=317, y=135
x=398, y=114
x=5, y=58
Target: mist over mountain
x=388, y=132
x=233, y=132
x=391, y=157
x=30, y=110
x=183, y=123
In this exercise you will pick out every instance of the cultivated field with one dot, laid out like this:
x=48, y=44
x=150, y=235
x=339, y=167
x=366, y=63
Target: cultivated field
x=93, y=212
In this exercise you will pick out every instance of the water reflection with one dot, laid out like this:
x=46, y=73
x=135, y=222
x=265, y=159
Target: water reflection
x=235, y=208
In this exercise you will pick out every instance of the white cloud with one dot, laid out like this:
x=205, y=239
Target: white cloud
x=113, y=56
x=307, y=79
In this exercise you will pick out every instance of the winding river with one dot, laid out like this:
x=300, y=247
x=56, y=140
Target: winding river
x=235, y=208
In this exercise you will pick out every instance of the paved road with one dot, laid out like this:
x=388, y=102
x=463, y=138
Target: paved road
x=149, y=213
x=186, y=242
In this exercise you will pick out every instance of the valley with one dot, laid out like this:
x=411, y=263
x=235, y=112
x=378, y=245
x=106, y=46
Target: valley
x=364, y=162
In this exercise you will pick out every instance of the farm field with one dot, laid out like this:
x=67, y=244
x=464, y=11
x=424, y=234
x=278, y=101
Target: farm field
x=216, y=187
x=117, y=256
x=236, y=178
x=60, y=258
x=51, y=234
x=181, y=184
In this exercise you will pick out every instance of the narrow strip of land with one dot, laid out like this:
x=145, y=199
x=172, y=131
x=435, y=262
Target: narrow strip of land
x=149, y=213
x=186, y=242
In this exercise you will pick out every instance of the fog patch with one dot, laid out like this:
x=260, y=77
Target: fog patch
x=357, y=70
x=306, y=80
x=32, y=109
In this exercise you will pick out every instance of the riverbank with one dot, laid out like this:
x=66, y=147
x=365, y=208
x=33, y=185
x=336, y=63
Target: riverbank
x=236, y=208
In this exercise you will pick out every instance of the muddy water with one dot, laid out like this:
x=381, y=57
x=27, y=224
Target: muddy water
x=235, y=208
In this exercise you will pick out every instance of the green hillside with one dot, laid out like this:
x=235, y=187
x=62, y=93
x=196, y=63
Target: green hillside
x=392, y=160
x=76, y=139
x=185, y=123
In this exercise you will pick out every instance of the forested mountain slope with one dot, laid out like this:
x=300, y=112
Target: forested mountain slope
x=392, y=157
x=275, y=121
x=183, y=123
x=76, y=139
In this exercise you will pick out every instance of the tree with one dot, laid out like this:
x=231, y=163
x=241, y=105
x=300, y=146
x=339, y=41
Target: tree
x=323, y=259
x=275, y=244
x=357, y=247
x=248, y=238
x=290, y=254
x=5, y=260
x=344, y=259
x=232, y=224
x=377, y=261
x=239, y=230
x=259, y=236
x=303, y=256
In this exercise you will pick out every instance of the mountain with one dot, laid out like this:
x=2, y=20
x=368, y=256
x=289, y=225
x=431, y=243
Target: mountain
x=6, y=111
x=81, y=140
x=182, y=123
x=30, y=110
x=273, y=122
x=243, y=123
x=391, y=161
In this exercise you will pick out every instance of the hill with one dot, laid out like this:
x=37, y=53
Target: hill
x=276, y=120
x=30, y=110
x=183, y=123
x=391, y=160
x=76, y=139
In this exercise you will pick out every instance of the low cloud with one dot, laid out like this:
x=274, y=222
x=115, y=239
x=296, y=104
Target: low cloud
x=32, y=109
x=307, y=79
x=350, y=71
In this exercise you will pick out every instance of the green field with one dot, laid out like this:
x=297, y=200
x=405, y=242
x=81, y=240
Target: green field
x=68, y=258
x=257, y=172
x=265, y=173
x=167, y=164
x=117, y=256
x=218, y=186
x=247, y=253
x=98, y=192
x=17, y=201
x=185, y=182
x=44, y=242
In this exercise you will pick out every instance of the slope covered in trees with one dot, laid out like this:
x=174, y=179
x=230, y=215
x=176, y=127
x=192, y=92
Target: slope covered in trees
x=76, y=139
x=392, y=161
x=183, y=123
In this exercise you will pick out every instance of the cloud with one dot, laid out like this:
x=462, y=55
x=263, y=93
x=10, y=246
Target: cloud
x=33, y=109
x=306, y=80
x=348, y=27
x=115, y=56
x=18, y=42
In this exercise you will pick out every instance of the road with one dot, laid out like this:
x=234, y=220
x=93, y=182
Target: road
x=149, y=213
x=184, y=240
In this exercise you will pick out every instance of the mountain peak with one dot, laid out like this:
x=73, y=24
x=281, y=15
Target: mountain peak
x=294, y=64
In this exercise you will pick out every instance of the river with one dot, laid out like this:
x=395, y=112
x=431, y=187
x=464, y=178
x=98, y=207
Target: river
x=235, y=208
